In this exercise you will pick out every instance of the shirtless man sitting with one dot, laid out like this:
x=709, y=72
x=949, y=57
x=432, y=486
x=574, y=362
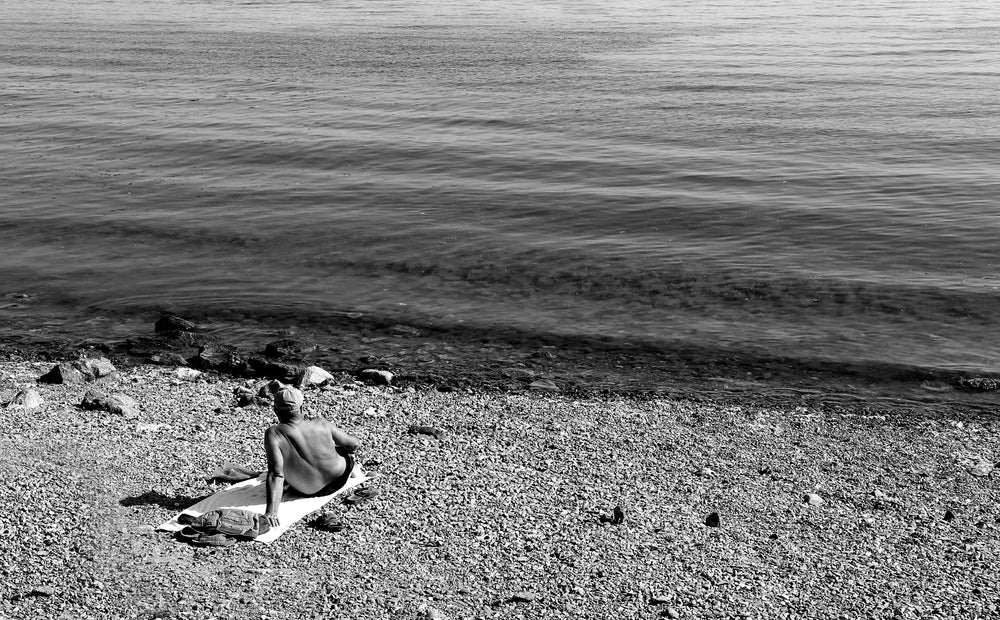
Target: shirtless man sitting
x=313, y=457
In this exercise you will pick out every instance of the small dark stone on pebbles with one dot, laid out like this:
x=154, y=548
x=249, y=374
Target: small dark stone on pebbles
x=658, y=600
x=773, y=537
x=522, y=597
x=436, y=433
x=713, y=520
x=616, y=518
x=949, y=515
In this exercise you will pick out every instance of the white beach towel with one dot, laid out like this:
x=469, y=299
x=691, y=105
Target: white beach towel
x=252, y=495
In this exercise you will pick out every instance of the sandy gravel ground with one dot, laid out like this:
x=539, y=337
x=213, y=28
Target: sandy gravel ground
x=501, y=517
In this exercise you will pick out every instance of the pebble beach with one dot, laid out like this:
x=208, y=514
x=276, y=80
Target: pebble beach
x=728, y=510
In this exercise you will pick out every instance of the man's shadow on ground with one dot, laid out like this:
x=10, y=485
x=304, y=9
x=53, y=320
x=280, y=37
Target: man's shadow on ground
x=155, y=498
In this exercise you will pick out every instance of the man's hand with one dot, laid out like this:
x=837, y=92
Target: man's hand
x=272, y=519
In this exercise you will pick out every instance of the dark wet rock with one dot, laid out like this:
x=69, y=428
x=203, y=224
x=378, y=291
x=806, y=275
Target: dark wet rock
x=168, y=358
x=271, y=369
x=978, y=384
x=949, y=515
x=169, y=323
x=62, y=373
x=221, y=358
x=713, y=520
x=372, y=376
x=522, y=597
x=118, y=404
x=289, y=348
x=616, y=518
x=436, y=433
x=659, y=600
x=406, y=330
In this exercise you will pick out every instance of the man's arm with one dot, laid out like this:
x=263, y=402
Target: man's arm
x=275, y=475
x=349, y=443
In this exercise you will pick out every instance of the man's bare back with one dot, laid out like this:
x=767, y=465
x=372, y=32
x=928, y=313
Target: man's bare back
x=308, y=450
x=308, y=455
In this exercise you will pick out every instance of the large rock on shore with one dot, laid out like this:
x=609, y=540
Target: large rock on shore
x=313, y=375
x=269, y=369
x=79, y=371
x=118, y=404
x=25, y=399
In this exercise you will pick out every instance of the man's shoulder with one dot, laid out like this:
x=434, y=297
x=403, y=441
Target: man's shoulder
x=317, y=423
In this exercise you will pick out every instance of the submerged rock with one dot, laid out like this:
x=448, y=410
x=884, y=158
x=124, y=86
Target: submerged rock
x=168, y=358
x=171, y=323
x=978, y=384
x=289, y=348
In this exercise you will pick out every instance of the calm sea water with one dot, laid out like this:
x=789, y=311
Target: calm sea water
x=793, y=178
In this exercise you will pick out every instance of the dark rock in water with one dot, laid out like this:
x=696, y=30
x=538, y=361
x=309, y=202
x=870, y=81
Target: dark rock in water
x=289, y=348
x=63, y=373
x=168, y=358
x=221, y=358
x=118, y=404
x=375, y=377
x=713, y=520
x=170, y=323
x=406, y=330
x=978, y=384
x=269, y=369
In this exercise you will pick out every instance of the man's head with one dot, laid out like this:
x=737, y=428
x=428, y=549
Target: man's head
x=287, y=402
